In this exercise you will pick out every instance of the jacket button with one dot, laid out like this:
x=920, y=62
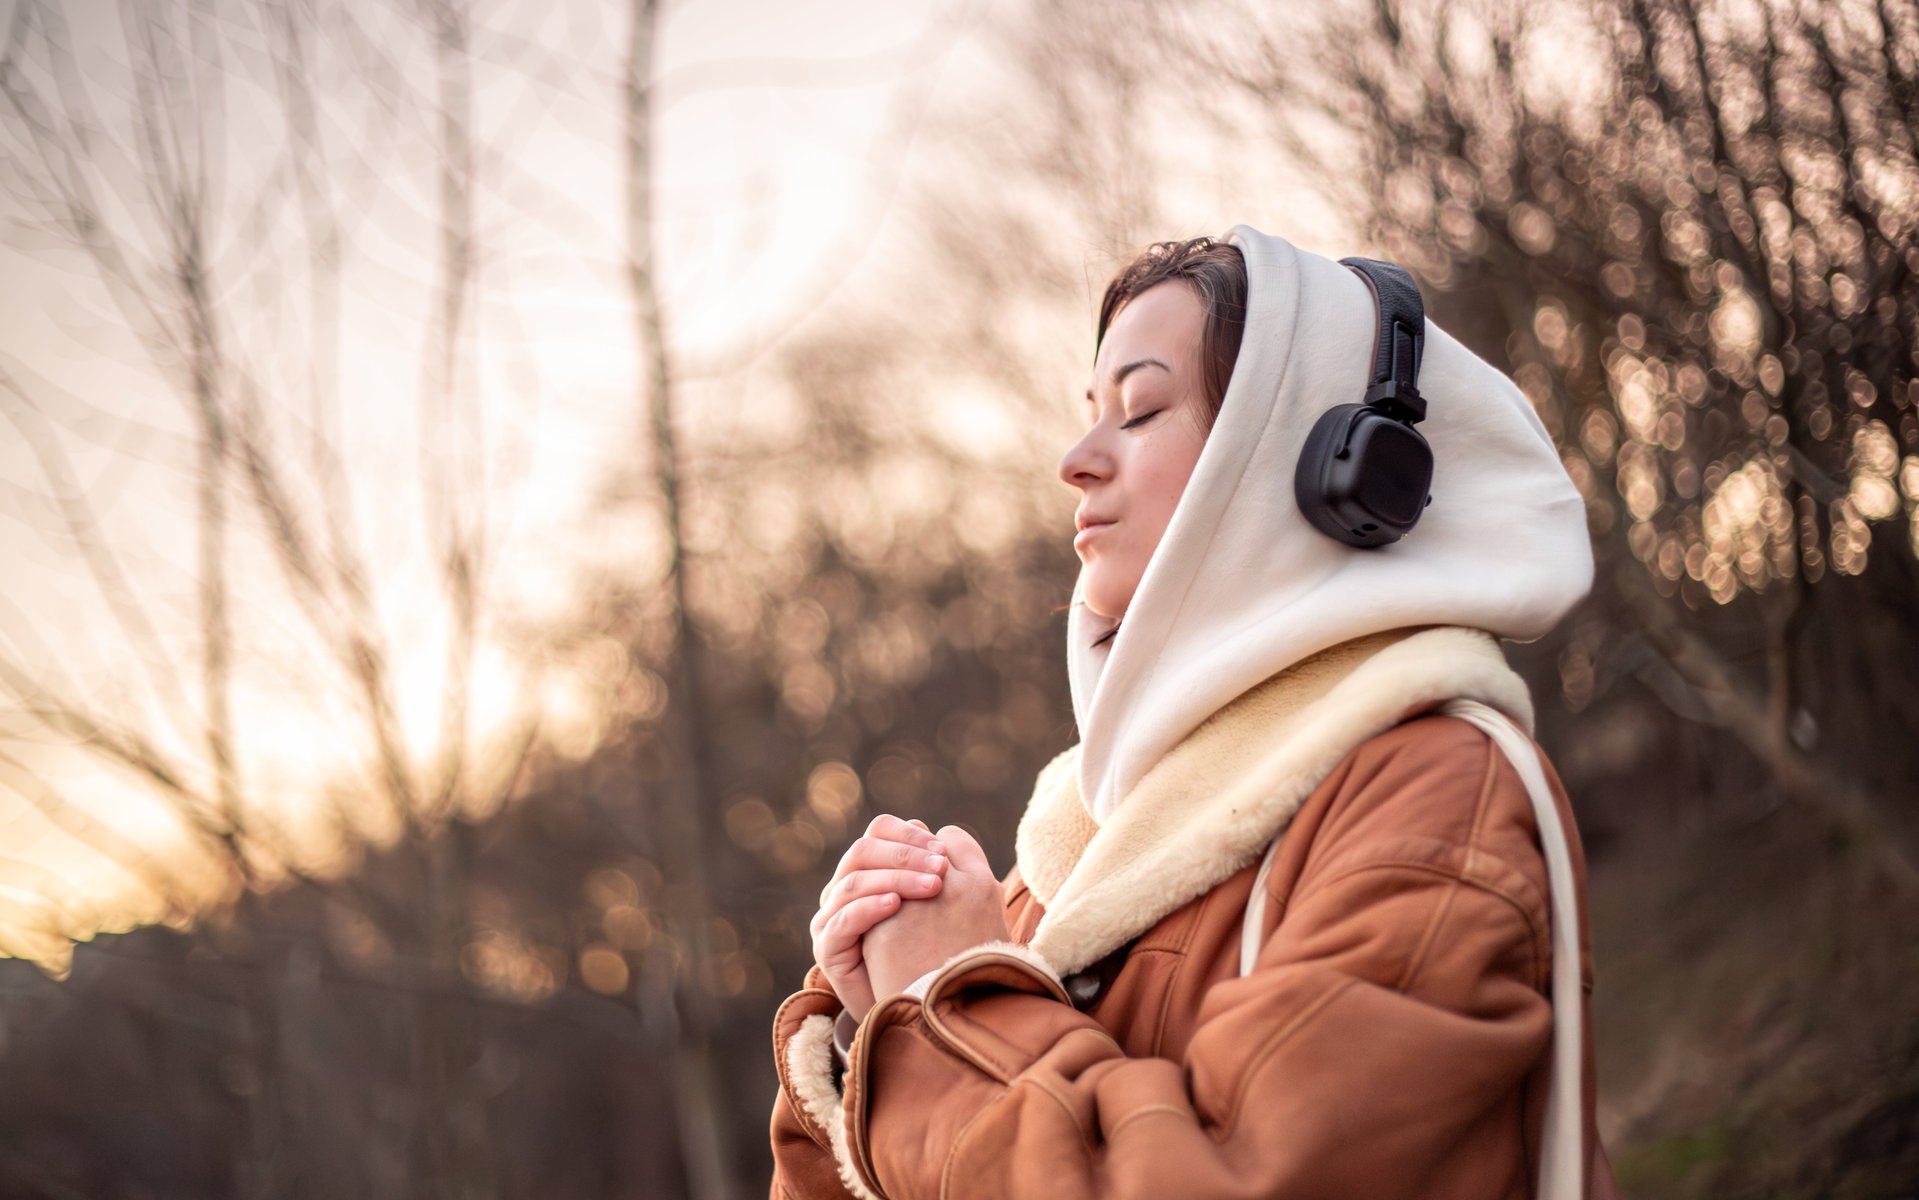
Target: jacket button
x=1083, y=987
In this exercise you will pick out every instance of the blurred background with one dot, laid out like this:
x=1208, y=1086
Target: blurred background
x=493, y=497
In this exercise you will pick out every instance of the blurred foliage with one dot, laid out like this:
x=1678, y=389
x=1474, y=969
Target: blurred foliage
x=1706, y=272
x=488, y=1010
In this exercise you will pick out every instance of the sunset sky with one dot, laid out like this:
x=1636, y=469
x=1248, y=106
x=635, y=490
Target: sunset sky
x=785, y=137
x=759, y=184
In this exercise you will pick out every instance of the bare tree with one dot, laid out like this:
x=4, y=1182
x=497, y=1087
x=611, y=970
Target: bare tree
x=689, y=998
x=144, y=196
x=1698, y=262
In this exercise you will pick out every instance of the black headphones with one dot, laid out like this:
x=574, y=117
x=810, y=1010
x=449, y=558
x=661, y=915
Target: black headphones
x=1364, y=472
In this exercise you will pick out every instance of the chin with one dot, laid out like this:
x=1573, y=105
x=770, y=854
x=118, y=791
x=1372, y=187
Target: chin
x=1101, y=602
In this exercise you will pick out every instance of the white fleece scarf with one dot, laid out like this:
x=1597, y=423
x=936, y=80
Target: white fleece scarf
x=1242, y=586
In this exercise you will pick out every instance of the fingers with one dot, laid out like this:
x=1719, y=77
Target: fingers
x=836, y=943
x=965, y=852
x=893, y=829
x=912, y=885
x=872, y=853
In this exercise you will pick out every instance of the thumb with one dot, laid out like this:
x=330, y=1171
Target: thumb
x=964, y=852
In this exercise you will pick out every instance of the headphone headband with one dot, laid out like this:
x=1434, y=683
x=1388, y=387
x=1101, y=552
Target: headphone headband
x=1396, y=358
x=1364, y=470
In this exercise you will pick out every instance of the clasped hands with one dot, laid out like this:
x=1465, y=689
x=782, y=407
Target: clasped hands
x=903, y=901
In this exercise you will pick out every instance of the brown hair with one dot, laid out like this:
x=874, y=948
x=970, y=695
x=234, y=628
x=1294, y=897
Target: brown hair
x=1216, y=271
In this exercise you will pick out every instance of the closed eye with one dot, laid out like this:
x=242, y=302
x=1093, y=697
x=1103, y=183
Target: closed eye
x=1142, y=418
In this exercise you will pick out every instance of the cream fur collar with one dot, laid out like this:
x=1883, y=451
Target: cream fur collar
x=1217, y=799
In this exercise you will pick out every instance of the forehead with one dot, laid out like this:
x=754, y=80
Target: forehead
x=1165, y=321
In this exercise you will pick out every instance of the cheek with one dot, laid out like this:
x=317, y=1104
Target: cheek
x=1161, y=475
x=1155, y=477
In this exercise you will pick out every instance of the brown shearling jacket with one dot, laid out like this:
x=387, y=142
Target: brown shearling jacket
x=1392, y=1039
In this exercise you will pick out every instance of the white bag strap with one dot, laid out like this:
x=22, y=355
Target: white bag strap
x=1560, y=1158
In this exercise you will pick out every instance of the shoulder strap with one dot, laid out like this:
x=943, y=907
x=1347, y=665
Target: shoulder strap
x=1560, y=1154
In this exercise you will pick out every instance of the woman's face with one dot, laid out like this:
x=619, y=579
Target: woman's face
x=1146, y=431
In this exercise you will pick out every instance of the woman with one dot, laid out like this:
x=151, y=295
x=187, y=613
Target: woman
x=1278, y=926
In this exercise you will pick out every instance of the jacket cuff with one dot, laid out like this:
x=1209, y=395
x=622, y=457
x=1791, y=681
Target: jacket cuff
x=992, y=970
x=964, y=970
x=809, y=1067
x=958, y=1005
x=811, y=1057
x=799, y=1048
x=846, y=1026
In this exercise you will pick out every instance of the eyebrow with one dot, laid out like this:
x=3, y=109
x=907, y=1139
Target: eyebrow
x=1119, y=376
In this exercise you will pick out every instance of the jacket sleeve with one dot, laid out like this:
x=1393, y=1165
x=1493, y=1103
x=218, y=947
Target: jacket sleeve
x=1400, y=998
x=808, y=1129
x=808, y=1133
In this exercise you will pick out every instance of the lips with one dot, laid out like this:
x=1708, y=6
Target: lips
x=1089, y=531
x=1085, y=521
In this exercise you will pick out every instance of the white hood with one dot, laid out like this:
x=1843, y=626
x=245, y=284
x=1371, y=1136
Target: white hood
x=1242, y=586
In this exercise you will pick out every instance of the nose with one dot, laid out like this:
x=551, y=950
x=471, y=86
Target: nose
x=1084, y=463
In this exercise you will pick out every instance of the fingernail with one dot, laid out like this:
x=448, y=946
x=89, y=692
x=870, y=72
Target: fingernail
x=936, y=863
x=936, y=846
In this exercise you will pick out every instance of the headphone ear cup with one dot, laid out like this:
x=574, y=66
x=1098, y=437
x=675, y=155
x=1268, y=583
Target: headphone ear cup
x=1362, y=476
x=1316, y=460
